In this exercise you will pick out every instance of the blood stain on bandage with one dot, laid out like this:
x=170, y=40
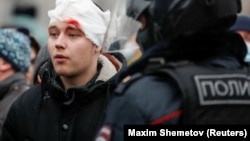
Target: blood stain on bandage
x=73, y=22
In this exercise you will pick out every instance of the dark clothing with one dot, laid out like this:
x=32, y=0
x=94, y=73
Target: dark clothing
x=42, y=58
x=49, y=113
x=154, y=97
x=10, y=89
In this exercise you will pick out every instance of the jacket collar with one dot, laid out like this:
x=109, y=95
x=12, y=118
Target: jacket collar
x=51, y=83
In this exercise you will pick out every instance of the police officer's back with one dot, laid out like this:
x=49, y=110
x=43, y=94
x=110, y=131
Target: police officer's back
x=192, y=73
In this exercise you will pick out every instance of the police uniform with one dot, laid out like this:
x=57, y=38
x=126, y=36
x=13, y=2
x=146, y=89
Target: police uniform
x=198, y=90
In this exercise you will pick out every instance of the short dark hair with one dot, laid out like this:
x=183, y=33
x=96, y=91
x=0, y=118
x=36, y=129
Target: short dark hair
x=34, y=43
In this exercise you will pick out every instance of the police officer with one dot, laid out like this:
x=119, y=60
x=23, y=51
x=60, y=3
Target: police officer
x=193, y=71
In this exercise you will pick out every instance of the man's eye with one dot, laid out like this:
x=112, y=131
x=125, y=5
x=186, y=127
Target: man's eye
x=53, y=34
x=73, y=35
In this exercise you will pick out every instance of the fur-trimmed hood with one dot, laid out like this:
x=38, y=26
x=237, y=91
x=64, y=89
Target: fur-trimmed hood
x=108, y=68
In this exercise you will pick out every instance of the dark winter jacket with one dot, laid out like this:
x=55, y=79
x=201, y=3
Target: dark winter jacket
x=155, y=99
x=49, y=113
x=10, y=89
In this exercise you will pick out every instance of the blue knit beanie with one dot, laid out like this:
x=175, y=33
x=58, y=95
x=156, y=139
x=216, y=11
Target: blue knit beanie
x=242, y=23
x=15, y=48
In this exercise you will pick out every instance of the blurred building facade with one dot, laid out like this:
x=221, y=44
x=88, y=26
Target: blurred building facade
x=6, y=7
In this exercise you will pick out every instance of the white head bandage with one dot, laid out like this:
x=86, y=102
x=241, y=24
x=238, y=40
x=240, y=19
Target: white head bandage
x=92, y=20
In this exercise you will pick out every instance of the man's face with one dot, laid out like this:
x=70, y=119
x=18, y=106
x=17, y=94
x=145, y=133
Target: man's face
x=72, y=54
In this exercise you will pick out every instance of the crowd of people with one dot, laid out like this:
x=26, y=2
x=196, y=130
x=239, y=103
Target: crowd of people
x=178, y=71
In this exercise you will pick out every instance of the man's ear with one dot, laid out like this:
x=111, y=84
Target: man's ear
x=4, y=65
x=97, y=49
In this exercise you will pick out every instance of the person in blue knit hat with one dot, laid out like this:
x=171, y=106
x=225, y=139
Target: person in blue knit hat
x=242, y=26
x=14, y=48
x=14, y=62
